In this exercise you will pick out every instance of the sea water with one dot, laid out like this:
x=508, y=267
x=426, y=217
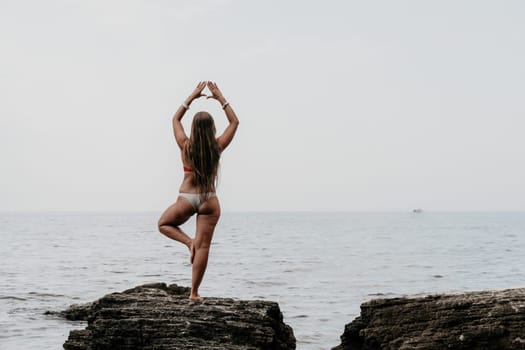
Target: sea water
x=318, y=266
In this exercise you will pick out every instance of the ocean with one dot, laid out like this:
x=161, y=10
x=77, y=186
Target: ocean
x=319, y=266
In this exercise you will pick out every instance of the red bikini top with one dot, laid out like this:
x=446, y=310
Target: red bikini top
x=186, y=169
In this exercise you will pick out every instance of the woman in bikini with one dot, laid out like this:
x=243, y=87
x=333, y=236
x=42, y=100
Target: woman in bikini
x=200, y=157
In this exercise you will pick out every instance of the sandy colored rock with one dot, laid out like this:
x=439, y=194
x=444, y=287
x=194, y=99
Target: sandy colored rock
x=157, y=316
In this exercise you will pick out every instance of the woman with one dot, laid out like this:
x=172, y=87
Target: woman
x=200, y=157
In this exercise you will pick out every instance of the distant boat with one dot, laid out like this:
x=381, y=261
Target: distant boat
x=417, y=210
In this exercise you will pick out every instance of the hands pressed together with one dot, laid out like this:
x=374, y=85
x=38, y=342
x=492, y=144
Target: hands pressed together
x=214, y=89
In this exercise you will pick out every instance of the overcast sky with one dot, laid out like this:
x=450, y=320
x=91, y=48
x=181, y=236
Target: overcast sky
x=344, y=105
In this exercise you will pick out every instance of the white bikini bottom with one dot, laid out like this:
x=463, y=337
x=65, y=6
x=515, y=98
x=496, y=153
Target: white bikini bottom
x=195, y=198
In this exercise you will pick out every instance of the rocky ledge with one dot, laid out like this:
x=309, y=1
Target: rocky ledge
x=474, y=320
x=157, y=316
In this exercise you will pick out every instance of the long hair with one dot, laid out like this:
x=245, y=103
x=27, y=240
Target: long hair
x=202, y=152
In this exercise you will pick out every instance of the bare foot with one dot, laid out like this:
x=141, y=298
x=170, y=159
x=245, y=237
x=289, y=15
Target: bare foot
x=192, y=252
x=196, y=298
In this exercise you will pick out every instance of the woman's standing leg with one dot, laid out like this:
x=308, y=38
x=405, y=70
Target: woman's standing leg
x=207, y=219
x=177, y=214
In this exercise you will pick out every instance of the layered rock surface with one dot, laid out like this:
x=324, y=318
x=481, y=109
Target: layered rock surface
x=474, y=320
x=157, y=316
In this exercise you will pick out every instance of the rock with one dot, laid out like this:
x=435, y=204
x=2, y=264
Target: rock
x=474, y=320
x=157, y=316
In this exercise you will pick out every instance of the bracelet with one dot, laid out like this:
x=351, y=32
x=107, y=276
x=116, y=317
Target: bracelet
x=185, y=106
x=225, y=104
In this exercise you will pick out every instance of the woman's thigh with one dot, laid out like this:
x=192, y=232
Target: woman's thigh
x=177, y=213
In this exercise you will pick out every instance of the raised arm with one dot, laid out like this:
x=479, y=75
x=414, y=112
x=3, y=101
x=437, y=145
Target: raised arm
x=178, y=130
x=227, y=136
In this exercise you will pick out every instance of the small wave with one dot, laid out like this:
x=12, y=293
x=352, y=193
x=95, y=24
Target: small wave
x=380, y=294
x=264, y=283
x=10, y=297
x=46, y=295
x=308, y=339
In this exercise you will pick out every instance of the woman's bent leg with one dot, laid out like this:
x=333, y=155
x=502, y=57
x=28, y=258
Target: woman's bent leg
x=207, y=219
x=173, y=217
